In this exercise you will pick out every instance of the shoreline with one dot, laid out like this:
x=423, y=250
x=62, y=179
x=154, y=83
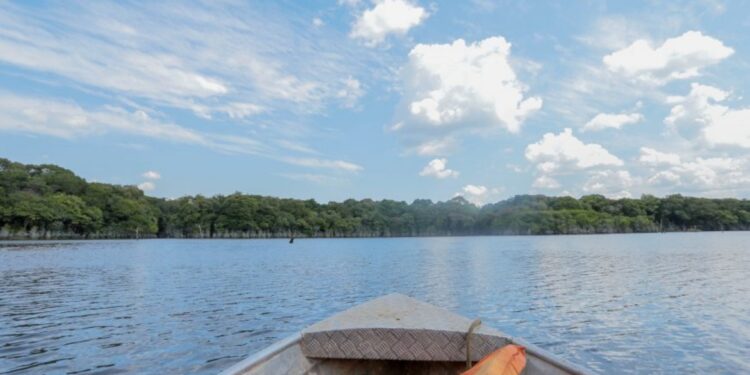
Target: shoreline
x=131, y=238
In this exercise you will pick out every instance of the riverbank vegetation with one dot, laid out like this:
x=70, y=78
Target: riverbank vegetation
x=47, y=201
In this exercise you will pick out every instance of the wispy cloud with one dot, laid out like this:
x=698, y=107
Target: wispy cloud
x=68, y=120
x=207, y=57
x=315, y=178
x=225, y=61
x=323, y=163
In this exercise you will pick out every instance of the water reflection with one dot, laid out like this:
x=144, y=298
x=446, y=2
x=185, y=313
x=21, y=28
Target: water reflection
x=617, y=304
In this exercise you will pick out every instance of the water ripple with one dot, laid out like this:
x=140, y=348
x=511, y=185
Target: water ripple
x=671, y=303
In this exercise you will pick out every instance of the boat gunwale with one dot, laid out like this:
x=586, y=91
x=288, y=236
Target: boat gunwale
x=550, y=357
x=260, y=357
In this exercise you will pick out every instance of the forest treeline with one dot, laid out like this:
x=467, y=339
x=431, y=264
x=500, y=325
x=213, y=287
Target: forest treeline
x=47, y=201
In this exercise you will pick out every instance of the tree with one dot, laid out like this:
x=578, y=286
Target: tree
x=46, y=200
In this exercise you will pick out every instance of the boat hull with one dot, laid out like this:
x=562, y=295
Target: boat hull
x=393, y=334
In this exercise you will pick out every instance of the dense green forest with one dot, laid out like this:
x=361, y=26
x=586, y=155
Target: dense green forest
x=47, y=201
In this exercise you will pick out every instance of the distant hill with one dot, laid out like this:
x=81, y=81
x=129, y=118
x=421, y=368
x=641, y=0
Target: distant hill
x=47, y=201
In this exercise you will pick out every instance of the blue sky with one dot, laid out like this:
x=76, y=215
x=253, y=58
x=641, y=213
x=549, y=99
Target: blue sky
x=383, y=99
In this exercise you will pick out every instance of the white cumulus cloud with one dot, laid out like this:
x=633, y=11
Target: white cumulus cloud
x=649, y=156
x=699, y=174
x=664, y=178
x=612, y=121
x=387, y=17
x=458, y=89
x=677, y=58
x=731, y=128
x=713, y=173
x=545, y=182
x=147, y=186
x=720, y=124
x=611, y=183
x=704, y=174
x=478, y=194
x=564, y=149
x=151, y=175
x=699, y=106
x=461, y=84
x=437, y=168
x=475, y=189
x=562, y=153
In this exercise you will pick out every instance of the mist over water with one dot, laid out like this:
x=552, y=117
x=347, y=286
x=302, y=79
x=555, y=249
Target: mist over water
x=646, y=303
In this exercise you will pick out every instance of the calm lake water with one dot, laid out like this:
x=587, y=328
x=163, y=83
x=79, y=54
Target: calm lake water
x=646, y=303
